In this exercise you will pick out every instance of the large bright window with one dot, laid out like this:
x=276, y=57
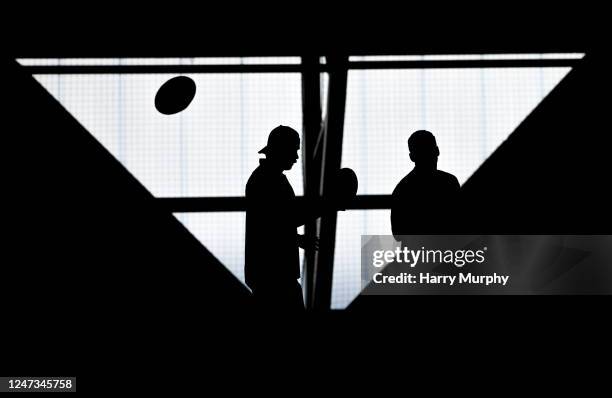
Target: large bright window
x=210, y=148
x=207, y=150
x=470, y=111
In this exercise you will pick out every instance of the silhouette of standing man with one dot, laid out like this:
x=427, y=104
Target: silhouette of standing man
x=424, y=201
x=272, y=266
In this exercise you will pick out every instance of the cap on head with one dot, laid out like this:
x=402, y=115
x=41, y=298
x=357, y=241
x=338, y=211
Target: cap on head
x=281, y=138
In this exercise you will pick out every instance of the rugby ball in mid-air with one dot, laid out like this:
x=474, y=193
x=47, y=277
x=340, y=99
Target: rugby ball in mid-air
x=175, y=95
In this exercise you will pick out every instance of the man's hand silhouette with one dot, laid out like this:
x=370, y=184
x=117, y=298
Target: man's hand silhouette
x=308, y=243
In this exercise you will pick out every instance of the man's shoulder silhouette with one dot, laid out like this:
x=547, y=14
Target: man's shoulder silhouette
x=263, y=180
x=435, y=179
x=258, y=178
x=446, y=178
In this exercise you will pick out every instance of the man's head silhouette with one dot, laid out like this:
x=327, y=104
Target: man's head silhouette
x=423, y=149
x=282, y=148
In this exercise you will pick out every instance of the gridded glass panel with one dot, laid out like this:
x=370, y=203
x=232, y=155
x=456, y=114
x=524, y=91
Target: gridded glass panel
x=159, y=61
x=209, y=149
x=223, y=235
x=323, y=88
x=464, y=57
x=346, y=283
x=470, y=111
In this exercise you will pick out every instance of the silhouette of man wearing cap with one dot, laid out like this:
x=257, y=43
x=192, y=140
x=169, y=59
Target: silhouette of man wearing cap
x=272, y=265
x=424, y=201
